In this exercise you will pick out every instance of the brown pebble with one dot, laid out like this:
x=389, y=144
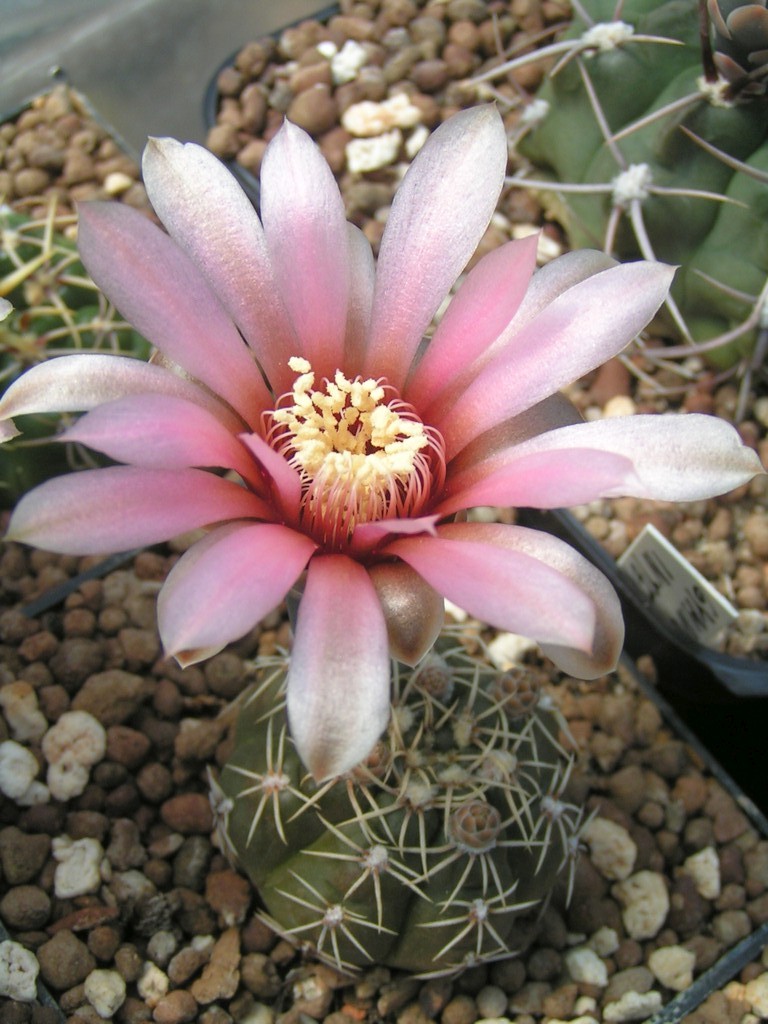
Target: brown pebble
x=188, y=813
x=460, y=1010
x=229, y=894
x=112, y=696
x=176, y=1007
x=22, y=855
x=25, y=907
x=221, y=974
x=314, y=110
x=64, y=961
x=126, y=746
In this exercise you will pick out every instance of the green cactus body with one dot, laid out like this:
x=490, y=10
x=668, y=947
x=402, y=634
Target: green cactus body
x=630, y=82
x=439, y=851
x=57, y=309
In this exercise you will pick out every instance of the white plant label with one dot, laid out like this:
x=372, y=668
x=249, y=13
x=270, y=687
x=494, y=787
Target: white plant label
x=674, y=588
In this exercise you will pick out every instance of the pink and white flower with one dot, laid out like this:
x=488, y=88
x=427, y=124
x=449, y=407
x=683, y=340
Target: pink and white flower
x=288, y=359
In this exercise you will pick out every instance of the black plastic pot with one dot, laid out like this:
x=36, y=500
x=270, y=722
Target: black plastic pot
x=721, y=697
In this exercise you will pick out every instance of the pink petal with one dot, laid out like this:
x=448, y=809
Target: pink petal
x=438, y=216
x=166, y=298
x=208, y=214
x=582, y=328
x=162, y=432
x=368, y=535
x=557, y=277
x=226, y=583
x=79, y=382
x=306, y=230
x=673, y=458
x=546, y=479
x=338, y=680
x=286, y=483
x=608, y=636
x=483, y=307
x=550, y=414
x=362, y=279
x=479, y=567
x=101, y=511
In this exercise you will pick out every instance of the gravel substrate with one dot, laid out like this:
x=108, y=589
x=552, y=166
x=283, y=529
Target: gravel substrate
x=111, y=876
x=56, y=149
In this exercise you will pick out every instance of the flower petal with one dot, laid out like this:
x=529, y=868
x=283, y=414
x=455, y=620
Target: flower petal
x=226, y=583
x=101, y=511
x=368, y=535
x=79, y=382
x=208, y=214
x=546, y=479
x=438, y=216
x=608, y=638
x=482, y=308
x=306, y=230
x=414, y=611
x=479, y=567
x=338, y=680
x=672, y=458
x=286, y=482
x=362, y=280
x=162, y=432
x=161, y=292
x=550, y=414
x=582, y=328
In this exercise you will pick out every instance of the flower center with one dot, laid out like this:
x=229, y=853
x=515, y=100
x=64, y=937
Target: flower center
x=361, y=452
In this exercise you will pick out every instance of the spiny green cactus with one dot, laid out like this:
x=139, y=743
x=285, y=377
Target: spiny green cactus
x=656, y=155
x=438, y=851
x=55, y=309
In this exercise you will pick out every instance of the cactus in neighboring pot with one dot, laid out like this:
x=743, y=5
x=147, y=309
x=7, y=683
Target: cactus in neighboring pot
x=646, y=139
x=437, y=852
x=54, y=309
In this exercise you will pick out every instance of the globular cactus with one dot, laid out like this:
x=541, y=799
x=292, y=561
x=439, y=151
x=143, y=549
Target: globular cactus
x=439, y=851
x=55, y=309
x=660, y=149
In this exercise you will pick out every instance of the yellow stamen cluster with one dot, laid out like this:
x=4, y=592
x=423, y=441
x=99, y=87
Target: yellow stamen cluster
x=362, y=455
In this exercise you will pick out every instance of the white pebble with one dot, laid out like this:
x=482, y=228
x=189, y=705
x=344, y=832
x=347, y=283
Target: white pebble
x=18, y=768
x=162, y=946
x=367, y=119
x=259, y=1013
x=347, y=61
x=371, y=154
x=78, y=870
x=117, y=182
x=491, y=1001
x=645, y=900
x=612, y=849
x=605, y=941
x=704, y=868
x=71, y=746
x=619, y=405
x=584, y=965
x=18, y=972
x=415, y=141
x=756, y=993
x=105, y=991
x=508, y=649
x=673, y=966
x=152, y=984
x=633, y=1006
x=18, y=702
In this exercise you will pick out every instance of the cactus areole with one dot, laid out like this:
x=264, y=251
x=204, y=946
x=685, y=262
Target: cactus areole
x=437, y=852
